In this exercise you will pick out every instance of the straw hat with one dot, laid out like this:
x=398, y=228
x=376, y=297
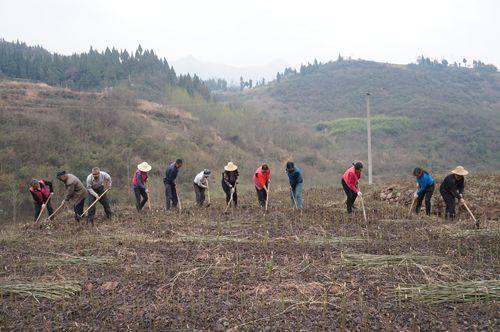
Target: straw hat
x=230, y=167
x=144, y=167
x=460, y=170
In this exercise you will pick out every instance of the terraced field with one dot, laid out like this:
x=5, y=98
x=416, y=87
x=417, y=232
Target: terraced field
x=204, y=270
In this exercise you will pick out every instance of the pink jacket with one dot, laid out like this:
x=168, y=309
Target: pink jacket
x=351, y=178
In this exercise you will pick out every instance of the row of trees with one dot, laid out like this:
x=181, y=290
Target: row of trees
x=94, y=69
x=476, y=64
x=250, y=83
x=422, y=61
x=216, y=84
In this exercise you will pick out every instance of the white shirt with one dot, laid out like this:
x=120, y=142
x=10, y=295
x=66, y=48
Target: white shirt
x=201, y=180
x=99, y=182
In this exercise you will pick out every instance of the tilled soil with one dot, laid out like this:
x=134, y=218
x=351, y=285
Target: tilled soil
x=246, y=270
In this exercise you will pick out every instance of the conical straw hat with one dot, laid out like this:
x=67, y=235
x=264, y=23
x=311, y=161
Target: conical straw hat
x=460, y=170
x=144, y=167
x=230, y=167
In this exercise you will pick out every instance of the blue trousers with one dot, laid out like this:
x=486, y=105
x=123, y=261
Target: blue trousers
x=297, y=194
x=170, y=195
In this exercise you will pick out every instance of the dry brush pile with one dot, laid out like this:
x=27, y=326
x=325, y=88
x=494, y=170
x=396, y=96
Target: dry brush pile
x=247, y=270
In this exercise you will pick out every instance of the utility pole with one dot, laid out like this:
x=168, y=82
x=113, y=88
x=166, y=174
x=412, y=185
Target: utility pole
x=369, y=132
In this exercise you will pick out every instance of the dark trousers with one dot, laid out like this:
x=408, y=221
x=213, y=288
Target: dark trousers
x=262, y=196
x=450, y=202
x=427, y=194
x=78, y=208
x=104, y=202
x=171, y=195
x=200, y=194
x=227, y=190
x=351, y=196
x=38, y=208
x=140, y=192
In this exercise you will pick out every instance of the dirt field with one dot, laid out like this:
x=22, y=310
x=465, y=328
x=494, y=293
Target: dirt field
x=203, y=270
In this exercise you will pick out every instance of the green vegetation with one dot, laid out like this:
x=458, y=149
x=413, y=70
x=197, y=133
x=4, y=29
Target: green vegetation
x=430, y=114
x=95, y=70
x=424, y=114
x=391, y=125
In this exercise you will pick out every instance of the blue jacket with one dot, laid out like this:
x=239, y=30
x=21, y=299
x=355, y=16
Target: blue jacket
x=424, y=181
x=295, y=177
x=171, y=174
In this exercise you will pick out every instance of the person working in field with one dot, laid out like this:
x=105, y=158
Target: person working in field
x=229, y=182
x=350, y=181
x=452, y=189
x=261, y=180
x=200, y=185
x=41, y=191
x=295, y=180
x=171, y=184
x=425, y=184
x=139, y=185
x=75, y=193
x=98, y=182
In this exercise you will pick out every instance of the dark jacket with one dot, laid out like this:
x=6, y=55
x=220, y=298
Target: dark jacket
x=230, y=178
x=452, y=186
x=295, y=177
x=171, y=174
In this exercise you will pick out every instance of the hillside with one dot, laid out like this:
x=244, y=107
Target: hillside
x=45, y=128
x=432, y=115
x=435, y=117
x=94, y=70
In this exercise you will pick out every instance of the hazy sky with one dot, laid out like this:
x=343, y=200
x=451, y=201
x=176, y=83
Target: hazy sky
x=254, y=32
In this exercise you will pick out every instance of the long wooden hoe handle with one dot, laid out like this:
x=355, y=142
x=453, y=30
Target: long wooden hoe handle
x=178, y=201
x=294, y=199
x=268, y=191
x=208, y=193
x=230, y=199
x=411, y=207
x=95, y=202
x=149, y=199
x=43, y=208
x=363, y=206
x=54, y=213
x=470, y=212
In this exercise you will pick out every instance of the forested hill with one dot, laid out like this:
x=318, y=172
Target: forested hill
x=94, y=70
x=428, y=113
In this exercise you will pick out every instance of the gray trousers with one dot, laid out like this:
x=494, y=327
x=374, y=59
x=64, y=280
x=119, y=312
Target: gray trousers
x=104, y=202
x=200, y=194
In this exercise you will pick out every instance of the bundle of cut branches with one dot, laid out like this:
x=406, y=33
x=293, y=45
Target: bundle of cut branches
x=212, y=238
x=468, y=291
x=332, y=240
x=48, y=290
x=73, y=260
x=469, y=233
x=385, y=260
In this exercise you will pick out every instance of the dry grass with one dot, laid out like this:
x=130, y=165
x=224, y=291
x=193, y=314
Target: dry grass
x=452, y=292
x=47, y=290
x=386, y=260
x=206, y=270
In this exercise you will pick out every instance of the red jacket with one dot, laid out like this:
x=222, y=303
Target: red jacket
x=260, y=179
x=143, y=176
x=351, y=178
x=42, y=194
